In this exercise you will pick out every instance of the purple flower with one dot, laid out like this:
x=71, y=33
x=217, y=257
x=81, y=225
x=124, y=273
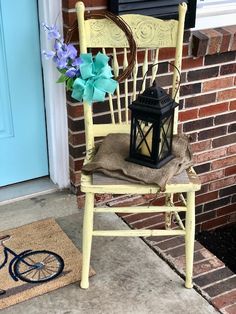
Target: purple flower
x=77, y=62
x=61, y=62
x=64, y=56
x=66, y=51
x=71, y=51
x=53, y=32
x=71, y=72
x=57, y=45
x=48, y=54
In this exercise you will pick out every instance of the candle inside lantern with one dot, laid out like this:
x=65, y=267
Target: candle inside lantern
x=143, y=148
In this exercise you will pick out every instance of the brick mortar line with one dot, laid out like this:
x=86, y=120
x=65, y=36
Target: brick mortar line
x=207, y=65
x=208, y=271
x=207, y=128
x=210, y=160
x=68, y=10
x=198, y=81
x=171, y=247
x=187, y=70
x=209, y=92
x=210, y=78
x=223, y=293
x=170, y=237
x=213, y=150
x=207, y=211
x=74, y=104
x=227, y=307
x=202, y=260
x=86, y=9
x=134, y=196
x=212, y=170
x=77, y=159
x=219, y=281
x=218, y=216
x=144, y=219
x=211, y=210
x=81, y=145
x=213, y=181
x=128, y=215
x=203, y=194
x=175, y=247
x=212, y=200
x=157, y=224
x=218, y=226
x=76, y=132
x=195, y=251
x=211, y=103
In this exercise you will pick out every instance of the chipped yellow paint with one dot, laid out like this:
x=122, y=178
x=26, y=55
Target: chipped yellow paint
x=148, y=32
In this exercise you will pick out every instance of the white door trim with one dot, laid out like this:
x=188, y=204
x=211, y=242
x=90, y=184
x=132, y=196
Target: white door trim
x=55, y=99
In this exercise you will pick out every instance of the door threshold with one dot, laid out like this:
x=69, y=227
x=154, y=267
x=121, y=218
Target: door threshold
x=27, y=189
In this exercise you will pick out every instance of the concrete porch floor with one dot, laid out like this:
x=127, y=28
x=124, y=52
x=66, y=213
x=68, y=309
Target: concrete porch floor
x=130, y=277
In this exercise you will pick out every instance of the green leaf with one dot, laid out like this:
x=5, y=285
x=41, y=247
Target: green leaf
x=69, y=83
x=63, y=71
x=63, y=78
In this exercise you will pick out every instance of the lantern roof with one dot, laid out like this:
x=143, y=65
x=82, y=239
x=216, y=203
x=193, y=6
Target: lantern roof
x=154, y=100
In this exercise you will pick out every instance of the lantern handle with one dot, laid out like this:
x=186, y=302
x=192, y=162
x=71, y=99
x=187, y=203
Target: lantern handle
x=150, y=67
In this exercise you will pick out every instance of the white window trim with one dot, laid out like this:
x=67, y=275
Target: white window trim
x=215, y=13
x=55, y=100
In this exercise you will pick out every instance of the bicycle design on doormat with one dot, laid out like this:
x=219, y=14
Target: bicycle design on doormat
x=31, y=266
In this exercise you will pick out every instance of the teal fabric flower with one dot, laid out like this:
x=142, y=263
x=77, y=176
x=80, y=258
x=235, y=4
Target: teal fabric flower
x=95, y=79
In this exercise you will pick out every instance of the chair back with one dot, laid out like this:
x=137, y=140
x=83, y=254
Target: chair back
x=150, y=35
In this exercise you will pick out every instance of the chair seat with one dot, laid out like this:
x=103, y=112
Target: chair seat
x=99, y=183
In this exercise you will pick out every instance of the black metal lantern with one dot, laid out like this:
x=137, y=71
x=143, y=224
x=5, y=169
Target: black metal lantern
x=152, y=118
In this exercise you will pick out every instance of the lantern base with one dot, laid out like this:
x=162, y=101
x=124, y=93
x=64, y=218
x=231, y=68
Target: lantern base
x=149, y=164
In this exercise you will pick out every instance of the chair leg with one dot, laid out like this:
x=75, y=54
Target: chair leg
x=87, y=239
x=189, y=238
x=168, y=215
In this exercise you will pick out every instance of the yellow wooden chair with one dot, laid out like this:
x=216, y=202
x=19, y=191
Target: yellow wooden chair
x=149, y=33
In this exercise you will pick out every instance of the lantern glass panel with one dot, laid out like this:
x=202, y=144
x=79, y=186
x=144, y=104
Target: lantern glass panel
x=144, y=138
x=165, y=137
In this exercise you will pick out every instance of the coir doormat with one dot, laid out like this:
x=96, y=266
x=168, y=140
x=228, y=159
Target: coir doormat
x=35, y=259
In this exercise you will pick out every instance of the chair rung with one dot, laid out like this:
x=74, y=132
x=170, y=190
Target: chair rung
x=140, y=209
x=137, y=233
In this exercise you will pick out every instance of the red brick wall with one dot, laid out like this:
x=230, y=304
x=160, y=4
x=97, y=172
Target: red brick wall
x=207, y=113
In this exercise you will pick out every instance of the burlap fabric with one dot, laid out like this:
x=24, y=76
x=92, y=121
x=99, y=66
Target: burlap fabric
x=111, y=154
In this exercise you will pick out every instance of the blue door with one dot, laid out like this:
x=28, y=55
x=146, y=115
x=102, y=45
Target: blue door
x=23, y=146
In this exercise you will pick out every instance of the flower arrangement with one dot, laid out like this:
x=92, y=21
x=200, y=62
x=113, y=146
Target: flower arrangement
x=89, y=78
